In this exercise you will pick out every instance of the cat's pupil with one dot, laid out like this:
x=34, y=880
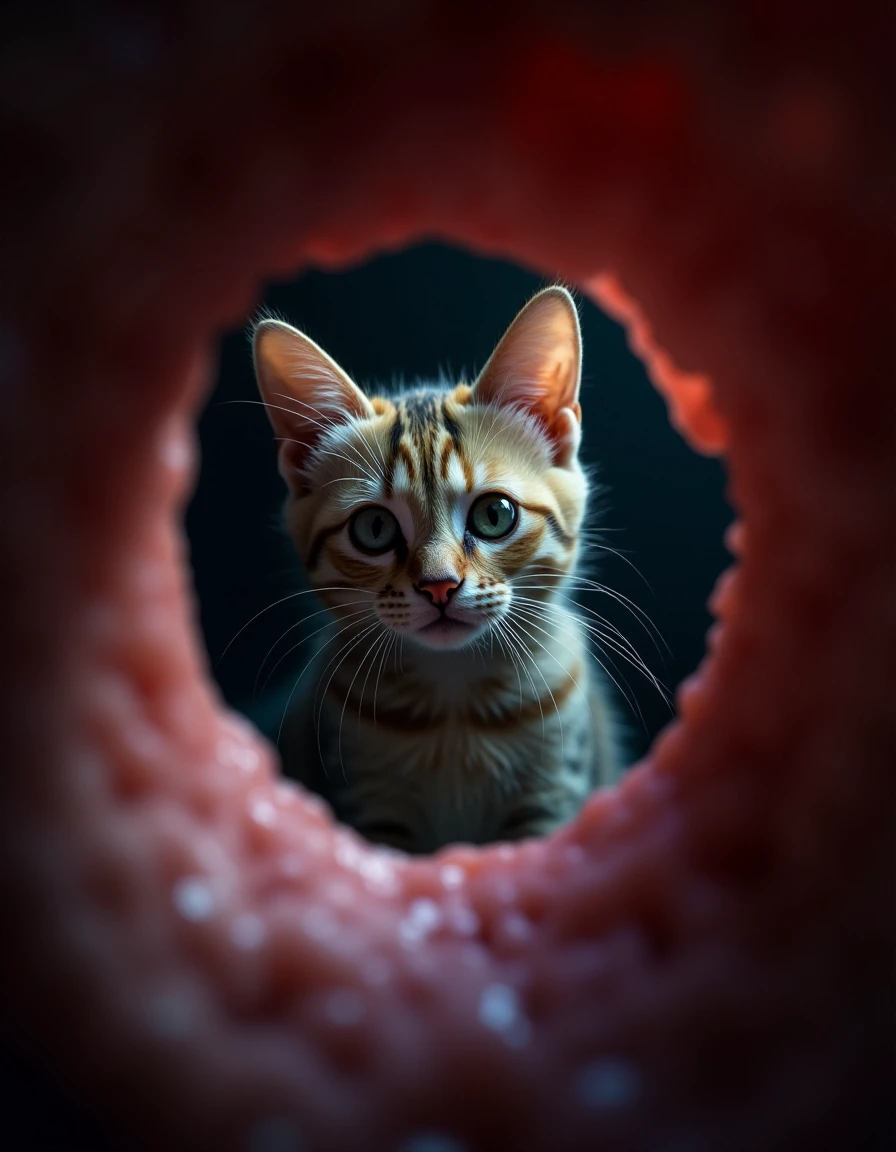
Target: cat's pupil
x=492, y=517
x=377, y=526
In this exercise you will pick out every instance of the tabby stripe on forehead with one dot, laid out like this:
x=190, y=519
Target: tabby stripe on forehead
x=468, y=471
x=447, y=449
x=395, y=434
x=465, y=464
x=408, y=461
x=552, y=522
x=453, y=429
x=451, y=425
x=427, y=460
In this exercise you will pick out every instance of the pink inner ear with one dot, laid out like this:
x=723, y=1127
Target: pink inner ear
x=563, y=387
x=537, y=364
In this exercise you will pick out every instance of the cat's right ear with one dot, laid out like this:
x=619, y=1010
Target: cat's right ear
x=305, y=393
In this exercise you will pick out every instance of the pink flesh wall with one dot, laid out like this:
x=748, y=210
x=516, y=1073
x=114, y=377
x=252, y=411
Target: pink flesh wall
x=703, y=960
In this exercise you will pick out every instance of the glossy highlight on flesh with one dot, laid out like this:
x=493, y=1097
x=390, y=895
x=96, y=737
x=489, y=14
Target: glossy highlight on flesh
x=703, y=960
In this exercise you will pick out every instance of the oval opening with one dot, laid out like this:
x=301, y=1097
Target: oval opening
x=652, y=533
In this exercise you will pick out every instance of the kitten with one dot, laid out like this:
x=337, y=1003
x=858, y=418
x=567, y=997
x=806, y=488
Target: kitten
x=454, y=698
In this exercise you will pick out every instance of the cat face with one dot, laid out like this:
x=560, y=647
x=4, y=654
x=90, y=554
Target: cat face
x=425, y=513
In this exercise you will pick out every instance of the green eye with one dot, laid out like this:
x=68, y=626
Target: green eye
x=492, y=516
x=373, y=529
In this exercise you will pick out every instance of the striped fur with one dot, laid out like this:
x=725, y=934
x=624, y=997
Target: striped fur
x=495, y=726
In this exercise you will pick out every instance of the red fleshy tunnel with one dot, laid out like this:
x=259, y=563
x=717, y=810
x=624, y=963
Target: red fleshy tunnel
x=704, y=960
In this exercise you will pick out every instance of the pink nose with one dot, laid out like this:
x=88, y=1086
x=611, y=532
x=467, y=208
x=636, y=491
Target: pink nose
x=439, y=591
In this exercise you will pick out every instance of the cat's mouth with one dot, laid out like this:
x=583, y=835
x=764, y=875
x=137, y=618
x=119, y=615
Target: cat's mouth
x=447, y=631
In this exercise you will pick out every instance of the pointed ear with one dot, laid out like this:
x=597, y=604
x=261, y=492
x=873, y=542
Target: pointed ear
x=537, y=368
x=305, y=393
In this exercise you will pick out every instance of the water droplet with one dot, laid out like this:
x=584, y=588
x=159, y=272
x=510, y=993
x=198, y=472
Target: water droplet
x=193, y=898
x=292, y=865
x=263, y=812
x=452, y=875
x=145, y=742
x=382, y=880
x=610, y=1082
x=348, y=854
x=501, y=1012
x=236, y=755
x=345, y=1007
x=423, y=917
x=248, y=932
x=175, y=451
x=498, y=1006
x=274, y=1134
x=379, y=875
x=431, y=1142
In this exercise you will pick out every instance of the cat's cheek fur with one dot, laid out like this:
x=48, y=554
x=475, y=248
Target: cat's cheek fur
x=566, y=434
x=569, y=487
x=291, y=464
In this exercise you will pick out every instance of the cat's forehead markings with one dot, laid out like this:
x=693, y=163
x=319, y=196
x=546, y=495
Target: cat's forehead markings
x=455, y=468
x=419, y=410
x=404, y=471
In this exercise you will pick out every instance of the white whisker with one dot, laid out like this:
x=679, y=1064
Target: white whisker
x=304, y=640
x=282, y=600
x=370, y=648
x=347, y=649
x=629, y=698
x=308, y=664
x=607, y=633
x=515, y=628
x=583, y=584
x=393, y=640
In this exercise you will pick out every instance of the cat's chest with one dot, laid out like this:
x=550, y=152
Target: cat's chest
x=445, y=752
x=450, y=782
x=447, y=730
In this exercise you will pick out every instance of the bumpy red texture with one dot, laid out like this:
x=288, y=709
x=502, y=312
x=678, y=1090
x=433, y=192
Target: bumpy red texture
x=704, y=960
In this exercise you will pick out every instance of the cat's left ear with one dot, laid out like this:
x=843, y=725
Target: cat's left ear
x=537, y=368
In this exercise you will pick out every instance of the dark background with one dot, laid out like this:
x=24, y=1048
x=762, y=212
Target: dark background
x=407, y=316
